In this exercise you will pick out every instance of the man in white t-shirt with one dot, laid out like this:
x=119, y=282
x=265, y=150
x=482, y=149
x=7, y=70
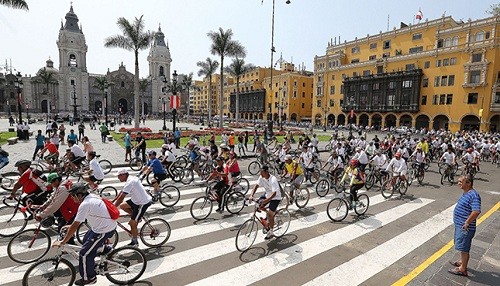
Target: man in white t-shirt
x=272, y=196
x=138, y=203
x=93, y=210
x=76, y=155
x=95, y=173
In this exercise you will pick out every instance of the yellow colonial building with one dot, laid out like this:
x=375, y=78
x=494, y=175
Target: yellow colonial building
x=439, y=74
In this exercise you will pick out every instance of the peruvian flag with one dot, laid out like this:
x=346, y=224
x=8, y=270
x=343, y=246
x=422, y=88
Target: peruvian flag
x=419, y=15
x=175, y=101
x=19, y=99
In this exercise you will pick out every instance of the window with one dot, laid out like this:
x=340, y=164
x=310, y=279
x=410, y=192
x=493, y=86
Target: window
x=447, y=42
x=303, y=105
x=162, y=72
x=427, y=64
x=355, y=50
x=72, y=82
x=332, y=89
x=474, y=76
x=479, y=36
x=487, y=35
x=449, y=98
x=303, y=94
x=373, y=45
x=410, y=67
x=407, y=83
x=353, y=61
x=435, y=99
x=354, y=74
x=303, y=84
x=363, y=100
x=416, y=50
x=444, y=80
x=451, y=80
x=392, y=85
x=344, y=76
x=332, y=102
x=442, y=99
x=417, y=36
x=386, y=55
x=476, y=57
x=424, y=100
x=364, y=87
x=387, y=44
x=453, y=61
x=446, y=62
x=333, y=77
x=341, y=102
x=380, y=69
x=376, y=86
x=366, y=73
x=372, y=57
x=454, y=41
x=72, y=61
x=425, y=82
x=375, y=100
x=318, y=103
x=438, y=63
x=497, y=97
x=319, y=91
x=472, y=98
x=390, y=100
x=440, y=43
x=122, y=84
x=436, y=80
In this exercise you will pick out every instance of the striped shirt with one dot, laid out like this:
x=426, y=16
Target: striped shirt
x=468, y=202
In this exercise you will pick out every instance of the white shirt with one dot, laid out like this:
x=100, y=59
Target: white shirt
x=270, y=185
x=448, y=158
x=135, y=189
x=419, y=156
x=361, y=157
x=314, y=141
x=170, y=156
x=336, y=162
x=95, y=212
x=96, y=169
x=307, y=159
x=380, y=161
x=398, y=166
x=77, y=151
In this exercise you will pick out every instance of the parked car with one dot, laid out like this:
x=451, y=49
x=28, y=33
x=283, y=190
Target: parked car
x=402, y=130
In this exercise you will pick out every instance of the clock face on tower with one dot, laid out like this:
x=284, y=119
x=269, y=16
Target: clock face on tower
x=73, y=69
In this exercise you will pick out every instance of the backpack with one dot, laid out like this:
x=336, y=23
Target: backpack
x=3, y=153
x=113, y=211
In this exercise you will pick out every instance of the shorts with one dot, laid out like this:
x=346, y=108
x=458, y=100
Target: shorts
x=160, y=177
x=298, y=179
x=234, y=175
x=463, y=239
x=128, y=149
x=78, y=160
x=273, y=204
x=137, y=210
x=94, y=179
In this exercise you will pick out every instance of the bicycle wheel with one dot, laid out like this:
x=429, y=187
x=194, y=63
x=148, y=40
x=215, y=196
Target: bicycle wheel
x=246, y=235
x=411, y=176
x=188, y=177
x=370, y=181
x=337, y=209
x=10, y=222
x=51, y=271
x=201, y=208
x=284, y=203
x=302, y=197
x=106, y=166
x=254, y=168
x=108, y=192
x=136, y=164
x=322, y=187
x=235, y=202
x=149, y=178
x=451, y=178
x=37, y=166
x=84, y=227
x=441, y=167
x=125, y=265
x=177, y=173
x=314, y=176
x=245, y=185
x=8, y=180
x=169, y=195
x=181, y=161
x=387, y=189
x=363, y=204
x=403, y=187
x=155, y=232
x=282, y=219
x=28, y=246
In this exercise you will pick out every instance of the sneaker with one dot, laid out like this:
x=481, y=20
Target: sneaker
x=219, y=210
x=269, y=235
x=86, y=282
x=133, y=243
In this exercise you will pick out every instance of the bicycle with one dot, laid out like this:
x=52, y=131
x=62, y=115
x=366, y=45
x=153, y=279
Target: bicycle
x=448, y=173
x=376, y=176
x=154, y=232
x=122, y=266
x=419, y=172
x=168, y=195
x=300, y=196
x=339, y=207
x=8, y=180
x=136, y=162
x=247, y=232
x=232, y=199
x=12, y=218
x=389, y=187
x=330, y=182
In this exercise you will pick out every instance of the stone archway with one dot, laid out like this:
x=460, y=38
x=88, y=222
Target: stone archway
x=317, y=119
x=422, y=121
x=469, y=122
x=363, y=120
x=293, y=117
x=341, y=119
x=441, y=122
x=122, y=106
x=331, y=119
x=98, y=106
x=275, y=117
x=377, y=121
x=495, y=123
x=390, y=120
x=261, y=116
x=45, y=106
x=405, y=120
x=146, y=110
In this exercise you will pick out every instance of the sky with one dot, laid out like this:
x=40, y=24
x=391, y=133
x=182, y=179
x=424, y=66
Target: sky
x=303, y=28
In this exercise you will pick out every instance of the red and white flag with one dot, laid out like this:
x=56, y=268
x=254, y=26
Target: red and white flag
x=175, y=101
x=419, y=15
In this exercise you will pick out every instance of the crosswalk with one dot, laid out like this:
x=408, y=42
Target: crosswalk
x=204, y=252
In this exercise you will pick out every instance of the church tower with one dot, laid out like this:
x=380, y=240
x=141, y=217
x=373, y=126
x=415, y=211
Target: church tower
x=73, y=74
x=159, y=66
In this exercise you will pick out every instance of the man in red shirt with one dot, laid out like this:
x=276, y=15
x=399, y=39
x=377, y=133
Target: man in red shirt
x=52, y=149
x=30, y=182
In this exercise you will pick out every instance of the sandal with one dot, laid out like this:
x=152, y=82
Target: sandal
x=458, y=272
x=455, y=263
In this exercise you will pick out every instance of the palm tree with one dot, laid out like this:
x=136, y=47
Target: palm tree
x=100, y=84
x=207, y=69
x=47, y=77
x=134, y=38
x=236, y=69
x=143, y=86
x=224, y=46
x=187, y=86
x=16, y=4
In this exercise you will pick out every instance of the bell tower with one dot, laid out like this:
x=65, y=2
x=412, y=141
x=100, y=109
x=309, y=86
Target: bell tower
x=159, y=66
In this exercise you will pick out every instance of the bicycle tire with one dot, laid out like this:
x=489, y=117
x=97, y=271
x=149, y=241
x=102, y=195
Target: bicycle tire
x=245, y=185
x=387, y=190
x=451, y=178
x=285, y=202
x=363, y=204
x=155, y=232
x=182, y=161
x=245, y=237
x=136, y=164
x=282, y=220
x=370, y=181
x=177, y=173
x=10, y=223
x=149, y=178
x=312, y=179
x=302, y=196
x=235, y=202
x=443, y=178
x=127, y=261
x=403, y=187
x=254, y=168
x=9, y=179
x=106, y=166
x=84, y=227
x=337, y=209
x=47, y=270
x=322, y=187
x=38, y=167
x=420, y=177
x=108, y=192
x=188, y=177
x=201, y=208
x=24, y=247
x=169, y=195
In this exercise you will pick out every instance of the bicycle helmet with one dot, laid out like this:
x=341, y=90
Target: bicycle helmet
x=288, y=157
x=22, y=163
x=398, y=155
x=165, y=146
x=53, y=176
x=79, y=188
x=354, y=162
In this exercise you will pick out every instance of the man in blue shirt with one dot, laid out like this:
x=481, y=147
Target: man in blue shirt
x=128, y=146
x=72, y=136
x=177, y=137
x=40, y=142
x=154, y=165
x=465, y=214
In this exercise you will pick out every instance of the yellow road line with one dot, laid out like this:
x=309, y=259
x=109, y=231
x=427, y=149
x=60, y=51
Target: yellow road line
x=419, y=269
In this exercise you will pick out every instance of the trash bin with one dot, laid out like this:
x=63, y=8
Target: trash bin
x=112, y=126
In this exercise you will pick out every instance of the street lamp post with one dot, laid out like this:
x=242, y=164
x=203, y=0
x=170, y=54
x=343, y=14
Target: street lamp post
x=163, y=105
x=106, y=102
x=27, y=112
x=74, y=102
x=172, y=87
x=19, y=85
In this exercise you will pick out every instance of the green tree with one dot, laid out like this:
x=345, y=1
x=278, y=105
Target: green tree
x=134, y=38
x=16, y=4
x=47, y=77
x=143, y=86
x=187, y=86
x=494, y=9
x=236, y=69
x=207, y=69
x=100, y=83
x=224, y=46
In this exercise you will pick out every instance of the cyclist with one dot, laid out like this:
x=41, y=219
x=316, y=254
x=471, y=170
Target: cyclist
x=357, y=180
x=362, y=158
x=470, y=159
x=76, y=156
x=53, y=151
x=232, y=166
x=221, y=174
x=424, y=145
x=449, y=158
x=31, y=182
x=140, y=146
x=138, y=203
x=154, y=165
x=95, y=172
x=419, y=157
x=306, y=158
x=272, y=196
x=337, y=165
x=295, y=171
x=93, y=210
x=398, y=167
x=261, y=151
x=87, y=145
x=195, y=158
x=168, y=158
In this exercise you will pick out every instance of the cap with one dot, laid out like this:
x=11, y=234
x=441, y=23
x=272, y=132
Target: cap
x=288, y=157
x=152, y=152
x=52, y=176
x=79, y=188
x=264, y=168
x=23, y=163
x=122, y=172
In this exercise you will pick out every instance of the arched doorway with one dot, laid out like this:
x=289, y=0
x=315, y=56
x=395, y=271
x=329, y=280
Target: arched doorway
x=469, y=122
x=377, y=121
x=390, y=120
x=98, y=106
x=495, y=123
x=331, y=119
x=293, y=117
x=261, y=116
x=122, y=106
x=405, y=120
x=45, y=106
x=352, y=120
x=145, y=107
x=276, y=117
x=341, y=119
x=363, y=120
x=283, y=117
x=440, y=122
x=317, y=119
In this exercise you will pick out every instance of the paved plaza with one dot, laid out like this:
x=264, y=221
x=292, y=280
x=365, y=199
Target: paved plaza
x=392, y=239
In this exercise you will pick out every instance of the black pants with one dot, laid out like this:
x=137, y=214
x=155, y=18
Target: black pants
x=37, y=148
x=354, y=191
